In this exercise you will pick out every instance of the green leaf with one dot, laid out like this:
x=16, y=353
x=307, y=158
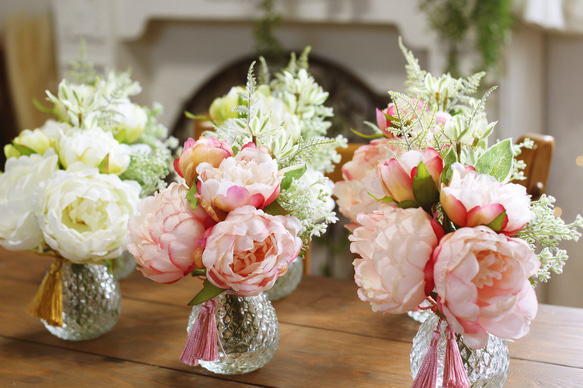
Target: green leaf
x=449, y=159
x=191, y=198
x=497, y=161
x=104, y=165
x=407, y=204
x=374, y=136
x=41, y=107
x=198, y=272
x=110, y=264
x=424, y=190
x=291, y=175
x=208, y=291
x=385, y=199
x=275, y=209
x=496, y=225
x=24, y=150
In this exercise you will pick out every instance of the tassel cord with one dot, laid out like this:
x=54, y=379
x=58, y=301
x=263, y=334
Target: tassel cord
x=47, y=303
x=202, y=342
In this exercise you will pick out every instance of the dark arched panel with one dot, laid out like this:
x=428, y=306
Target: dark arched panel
x=353, y=101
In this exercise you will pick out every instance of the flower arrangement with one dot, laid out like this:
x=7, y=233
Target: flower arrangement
x=69, y=187
x=253, y=194
x=437, y=222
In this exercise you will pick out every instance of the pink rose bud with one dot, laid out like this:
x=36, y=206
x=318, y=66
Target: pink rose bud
x=397, y=174
x=208, y=150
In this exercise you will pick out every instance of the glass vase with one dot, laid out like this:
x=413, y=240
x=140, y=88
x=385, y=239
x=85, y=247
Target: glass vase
x=421, y=315
x=248, y=333
x=486, y=367
x=287, y=283
x=124, y=266
x=91, y=302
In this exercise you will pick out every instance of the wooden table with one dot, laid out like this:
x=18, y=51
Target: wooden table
x=329, y=338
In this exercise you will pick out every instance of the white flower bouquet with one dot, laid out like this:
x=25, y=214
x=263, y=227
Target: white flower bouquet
x=69, y=187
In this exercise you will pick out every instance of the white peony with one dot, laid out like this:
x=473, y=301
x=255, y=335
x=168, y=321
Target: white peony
x=130, y=121
x=19, y=228
x=84, y=214
x=92, y=147
x=280, y=116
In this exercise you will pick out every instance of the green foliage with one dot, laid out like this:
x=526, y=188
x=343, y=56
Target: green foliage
x=266, y=43
x=190, y=196
x=497, y=161
x=544, y=232
x=208, y=291
x=424, y=190
x=455, y=20
x=82, y=70
x=291, y=174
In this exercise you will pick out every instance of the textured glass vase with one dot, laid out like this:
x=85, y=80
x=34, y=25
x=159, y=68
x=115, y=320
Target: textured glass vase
x=91, y=302
x=287, y=283
x=124, y=266
x=421, y=315
x=248, y=332
x=486, y=367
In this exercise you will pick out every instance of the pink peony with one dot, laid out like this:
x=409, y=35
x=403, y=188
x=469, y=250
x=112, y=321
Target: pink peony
x=361, y=178
x=166, y=235
x=473, y=199
x=208, y=150
x=249, y=249
x=395, y=246
x=481, y=278
x=397, y=174
x=252, y=177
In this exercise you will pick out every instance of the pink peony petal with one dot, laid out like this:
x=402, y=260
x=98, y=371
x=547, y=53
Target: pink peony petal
x=397, y=183
x=454, y=208
x=484, y=215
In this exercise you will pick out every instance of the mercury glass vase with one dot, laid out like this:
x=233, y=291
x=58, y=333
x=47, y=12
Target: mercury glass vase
x=287, y=283
x=486, y=367
x=421, y=315
x=91, y=302
x=248, y=333
x=124, y=266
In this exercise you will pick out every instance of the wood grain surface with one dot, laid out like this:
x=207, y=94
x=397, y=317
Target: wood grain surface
x=328, y=338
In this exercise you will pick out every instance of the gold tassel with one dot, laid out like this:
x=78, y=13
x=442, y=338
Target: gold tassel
x=48, y=301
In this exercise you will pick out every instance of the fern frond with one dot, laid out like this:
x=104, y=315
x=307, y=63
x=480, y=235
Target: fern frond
x=415, y=75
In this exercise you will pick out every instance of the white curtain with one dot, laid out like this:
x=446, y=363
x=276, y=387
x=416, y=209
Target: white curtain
x=559, y=15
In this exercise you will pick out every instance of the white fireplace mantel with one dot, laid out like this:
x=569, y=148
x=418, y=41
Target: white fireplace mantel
x=103, y=23
x=109, y=27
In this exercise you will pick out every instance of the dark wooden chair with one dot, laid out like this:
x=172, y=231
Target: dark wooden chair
x=538, y=163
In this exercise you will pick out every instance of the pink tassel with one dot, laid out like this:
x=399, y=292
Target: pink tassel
x=427, y=374
x=454, y=374
x=202, y=340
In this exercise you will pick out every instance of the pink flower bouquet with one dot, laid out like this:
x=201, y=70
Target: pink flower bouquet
x=247, y=205
x=438, y=223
